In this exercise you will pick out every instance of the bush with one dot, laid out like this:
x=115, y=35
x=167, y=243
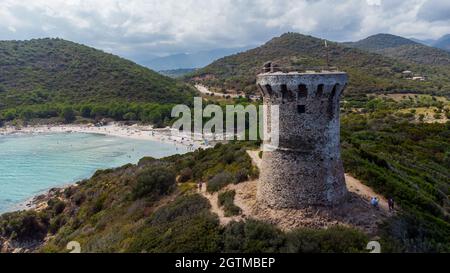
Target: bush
x=68, y=115
x=185, y=175
x=184, y=226
x=332, y=240
x=154, y=182
x=182, y=207
x=130, y=116
x=219, y=181
x=242, y=175
x=78, y=198
x=226, y=200
x=252, y=237
x=23, y=226
x=56, y=224
x=56, y=205
x=86, y=111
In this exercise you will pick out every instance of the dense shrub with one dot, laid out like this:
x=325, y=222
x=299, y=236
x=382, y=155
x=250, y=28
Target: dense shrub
x=68, y=115
x=56, y=223
x=220, y=180
x=23, y=226
x=154, y=182
x=185, y=175
x=183, y=207
x=185, y=226
x=406, y=161
x=226, y=200
x=57, y=206
x=78, y=198
x=252, y=237
x=416, y=233
x=332, y=240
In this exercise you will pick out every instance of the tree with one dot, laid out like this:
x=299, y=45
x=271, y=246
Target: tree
x=10, y=115
x=27, y=114
x=130, y=116
x=68, y=115
x=86, y=111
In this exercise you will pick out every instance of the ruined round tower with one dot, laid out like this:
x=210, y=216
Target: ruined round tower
x=305, y=168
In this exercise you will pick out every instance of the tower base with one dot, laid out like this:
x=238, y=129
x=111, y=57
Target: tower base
x=291, y=179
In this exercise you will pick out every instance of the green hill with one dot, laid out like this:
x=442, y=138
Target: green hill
x=155, y=207
x=369, y=72
x=44, y=71
x=177, y=73
x=403, y=49
x=381, y=41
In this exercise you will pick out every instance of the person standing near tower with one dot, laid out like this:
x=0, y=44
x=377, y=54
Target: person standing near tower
x=391, y=203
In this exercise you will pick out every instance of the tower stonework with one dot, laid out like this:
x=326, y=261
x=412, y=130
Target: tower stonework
x=305, y=168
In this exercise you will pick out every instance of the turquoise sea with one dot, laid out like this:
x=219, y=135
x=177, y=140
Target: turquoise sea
x=32, y=164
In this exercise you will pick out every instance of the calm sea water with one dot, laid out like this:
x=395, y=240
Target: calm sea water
x=31, y=164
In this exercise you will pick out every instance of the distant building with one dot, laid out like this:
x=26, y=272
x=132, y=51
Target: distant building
x=419, y=78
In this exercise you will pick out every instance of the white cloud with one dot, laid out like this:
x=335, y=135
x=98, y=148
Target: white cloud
x=436, y=10
x=140, y=28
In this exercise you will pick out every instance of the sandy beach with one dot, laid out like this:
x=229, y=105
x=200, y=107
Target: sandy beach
x=141, y=132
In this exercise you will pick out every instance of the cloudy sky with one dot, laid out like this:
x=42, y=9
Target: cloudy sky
x=143, y=28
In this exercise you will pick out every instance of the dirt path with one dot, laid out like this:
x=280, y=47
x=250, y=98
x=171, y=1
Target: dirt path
x=356, y=211
x=205, y=91
x=356, y=186
x=213, y=200
x=254, y=155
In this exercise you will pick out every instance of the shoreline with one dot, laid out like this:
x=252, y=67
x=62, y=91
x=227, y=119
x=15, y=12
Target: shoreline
x=138, y=132
x=39, y=201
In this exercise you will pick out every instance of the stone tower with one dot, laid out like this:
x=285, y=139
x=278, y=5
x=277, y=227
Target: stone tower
x=305, y=169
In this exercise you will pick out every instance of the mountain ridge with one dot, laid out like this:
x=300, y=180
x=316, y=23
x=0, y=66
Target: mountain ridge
x=191, y=60
x=369, y=72
x=381, y=41
x=404, y=49
x=441, y=43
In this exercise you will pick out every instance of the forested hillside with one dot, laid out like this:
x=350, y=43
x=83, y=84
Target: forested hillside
x=57, y=71
x=369, y=72
x=403, y=49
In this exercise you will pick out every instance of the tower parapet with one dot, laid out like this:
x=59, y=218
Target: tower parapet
x=305, y=169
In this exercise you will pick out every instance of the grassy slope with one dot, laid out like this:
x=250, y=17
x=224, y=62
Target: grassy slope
x=369, y=72
x=54, y=70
